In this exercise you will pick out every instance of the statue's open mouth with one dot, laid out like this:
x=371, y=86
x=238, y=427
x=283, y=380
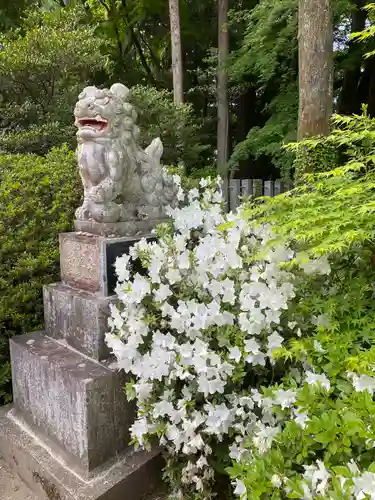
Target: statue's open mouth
x=97, y=124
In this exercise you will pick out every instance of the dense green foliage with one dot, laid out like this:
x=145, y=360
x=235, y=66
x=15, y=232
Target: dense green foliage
x=332, y=210
x=336, y=319
x=267, y=56
x=38, y=196
x=158, y=116
x=43, y=67
x=113, y=40
x=265, y=68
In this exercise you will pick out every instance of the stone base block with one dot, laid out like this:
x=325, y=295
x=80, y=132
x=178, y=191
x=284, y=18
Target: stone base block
x=79, y=318
x=73, y=403
x=87, y=261
x=132, y=477
x=133, y=228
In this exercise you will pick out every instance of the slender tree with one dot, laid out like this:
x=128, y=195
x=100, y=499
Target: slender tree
x=222, y=87
x=349, y=99
x=315, y=67
x=178, y=84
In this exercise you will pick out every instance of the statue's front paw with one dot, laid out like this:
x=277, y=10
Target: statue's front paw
x=96, y=194
x=82, y=213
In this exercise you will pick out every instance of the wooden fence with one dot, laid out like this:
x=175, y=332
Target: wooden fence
x=235, y=188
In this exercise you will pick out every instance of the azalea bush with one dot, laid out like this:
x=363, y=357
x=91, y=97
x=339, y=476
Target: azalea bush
x=237, y=352
x=325, y=445
x=249, y=336
x=182, y=331
x=323, y=406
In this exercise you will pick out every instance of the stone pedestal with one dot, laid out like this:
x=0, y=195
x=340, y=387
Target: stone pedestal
x=67, y=432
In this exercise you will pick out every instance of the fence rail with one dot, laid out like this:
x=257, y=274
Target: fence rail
x=235, y=188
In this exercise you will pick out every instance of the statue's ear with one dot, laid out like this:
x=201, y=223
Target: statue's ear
x=120, y=91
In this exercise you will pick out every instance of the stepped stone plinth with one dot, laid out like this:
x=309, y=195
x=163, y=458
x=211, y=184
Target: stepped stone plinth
x=67, y=432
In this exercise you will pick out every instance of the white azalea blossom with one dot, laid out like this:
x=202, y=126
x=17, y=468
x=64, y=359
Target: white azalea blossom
x=317, y=476
x=318, y=347
x=320, y=266
x=121, y=267
x=235, y=354
x=199, y=312
x=364, y=485
x=264, y=436
x=301, y=417
x=276, y=481
x=240, y=489
x=323, y=321
x=318, y=379
x=357, y=485
x=363, y=382
x=274, y=341
x=285, y=398
x=139, y=429
x=173, y=276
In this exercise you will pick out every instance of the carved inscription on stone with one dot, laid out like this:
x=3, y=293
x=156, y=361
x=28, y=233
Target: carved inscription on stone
x=80, y=263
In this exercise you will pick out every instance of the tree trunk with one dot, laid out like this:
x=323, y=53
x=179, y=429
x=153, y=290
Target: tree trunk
x=349, y=100
x=315, y=67
x=370, y=101
x=178, y=87
x=222, y=88
x=366, y=88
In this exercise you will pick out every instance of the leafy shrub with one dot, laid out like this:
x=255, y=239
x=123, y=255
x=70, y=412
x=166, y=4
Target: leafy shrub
x=190, y=312
x=43, y=67
x=193, y=180
x=38, y=196
x=39, y=139
x=180, y=132
x=330, y=211
x=322, y=410
x=262, y=325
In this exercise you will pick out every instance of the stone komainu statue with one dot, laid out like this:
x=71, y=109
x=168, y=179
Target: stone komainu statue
x=122, y=182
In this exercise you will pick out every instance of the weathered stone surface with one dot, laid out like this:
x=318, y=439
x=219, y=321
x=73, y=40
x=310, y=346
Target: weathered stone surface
x=11, y=485
x=87, y=261
x=130, y=477
x=78, y=317
x=121, y=181
x=82, y=262
x=115, y=229
x=76, y=405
